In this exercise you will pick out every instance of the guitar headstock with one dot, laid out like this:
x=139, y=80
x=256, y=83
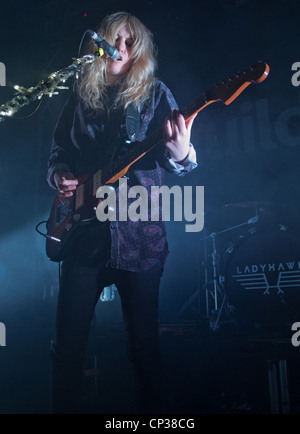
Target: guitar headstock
x=228, y=89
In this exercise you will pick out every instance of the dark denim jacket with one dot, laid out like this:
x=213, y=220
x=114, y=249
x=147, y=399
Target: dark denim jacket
x=81, y=140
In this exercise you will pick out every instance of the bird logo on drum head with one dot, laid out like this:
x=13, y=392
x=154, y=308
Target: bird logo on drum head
x=285, y=279
x=262, y=280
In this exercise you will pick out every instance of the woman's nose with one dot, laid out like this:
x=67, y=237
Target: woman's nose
x=120, y=45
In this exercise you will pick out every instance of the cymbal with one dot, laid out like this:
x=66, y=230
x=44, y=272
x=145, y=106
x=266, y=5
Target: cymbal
x=236, y=213
x=255, y=204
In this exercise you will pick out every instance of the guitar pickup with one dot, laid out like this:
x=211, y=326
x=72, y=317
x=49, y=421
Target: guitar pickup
x=79, y=196
x=97, y=181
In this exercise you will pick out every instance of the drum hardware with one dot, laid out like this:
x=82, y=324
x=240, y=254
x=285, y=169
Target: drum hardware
x=250, y=278
x=214, y=288
x=278, y=387
x=211, y=287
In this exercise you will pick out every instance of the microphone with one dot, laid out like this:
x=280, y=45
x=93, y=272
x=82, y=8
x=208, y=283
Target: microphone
x=112, y=52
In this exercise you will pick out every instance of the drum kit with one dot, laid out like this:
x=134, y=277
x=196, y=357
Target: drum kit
x=251, y=266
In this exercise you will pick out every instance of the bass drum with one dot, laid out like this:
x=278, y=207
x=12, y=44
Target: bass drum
x=262, y=281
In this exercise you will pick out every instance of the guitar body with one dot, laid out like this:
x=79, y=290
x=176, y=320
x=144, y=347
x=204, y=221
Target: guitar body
x=67, y=220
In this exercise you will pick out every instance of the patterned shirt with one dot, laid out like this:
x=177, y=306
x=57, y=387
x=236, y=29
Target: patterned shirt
x=82, y=139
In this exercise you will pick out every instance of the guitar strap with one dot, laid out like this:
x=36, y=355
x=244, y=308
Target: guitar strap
x=132, y=121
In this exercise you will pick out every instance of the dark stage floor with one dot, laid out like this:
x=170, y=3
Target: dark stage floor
x=207, y=372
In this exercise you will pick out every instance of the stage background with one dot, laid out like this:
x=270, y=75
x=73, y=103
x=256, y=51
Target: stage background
x=248, y=155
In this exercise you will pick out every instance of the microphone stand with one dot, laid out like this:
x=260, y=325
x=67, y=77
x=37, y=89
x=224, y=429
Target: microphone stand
x=45, y=87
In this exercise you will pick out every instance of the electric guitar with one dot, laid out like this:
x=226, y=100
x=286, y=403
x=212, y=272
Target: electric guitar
x=66, y=219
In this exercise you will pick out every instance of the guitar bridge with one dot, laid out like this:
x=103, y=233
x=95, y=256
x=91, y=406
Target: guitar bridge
x=61, y=212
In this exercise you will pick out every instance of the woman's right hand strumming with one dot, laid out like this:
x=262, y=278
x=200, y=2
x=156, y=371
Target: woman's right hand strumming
x=66, y=183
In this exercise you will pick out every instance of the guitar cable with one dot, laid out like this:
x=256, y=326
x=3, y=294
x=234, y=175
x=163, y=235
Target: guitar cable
x=52, y=238
x=45, y=235
x=38, y=225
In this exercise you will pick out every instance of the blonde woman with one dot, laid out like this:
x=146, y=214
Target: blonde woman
x=91, y=132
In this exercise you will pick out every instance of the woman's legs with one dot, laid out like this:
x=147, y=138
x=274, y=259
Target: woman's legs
x=78, y=296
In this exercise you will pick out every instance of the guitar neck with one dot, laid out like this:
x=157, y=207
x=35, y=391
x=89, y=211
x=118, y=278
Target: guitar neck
x=225, y=91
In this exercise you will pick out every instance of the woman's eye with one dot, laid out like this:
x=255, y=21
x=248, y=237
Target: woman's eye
x=128, y=43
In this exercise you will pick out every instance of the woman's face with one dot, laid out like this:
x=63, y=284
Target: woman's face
x=117, y=68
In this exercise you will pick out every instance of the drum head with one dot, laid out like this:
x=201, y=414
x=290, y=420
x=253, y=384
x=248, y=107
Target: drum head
x=262, y=281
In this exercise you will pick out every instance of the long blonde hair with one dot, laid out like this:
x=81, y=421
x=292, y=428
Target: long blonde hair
x=137, y=83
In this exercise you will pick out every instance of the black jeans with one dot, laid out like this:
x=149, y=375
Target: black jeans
x=80, y=289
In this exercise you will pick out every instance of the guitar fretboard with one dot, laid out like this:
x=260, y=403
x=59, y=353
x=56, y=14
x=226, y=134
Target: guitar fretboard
x=225, y=91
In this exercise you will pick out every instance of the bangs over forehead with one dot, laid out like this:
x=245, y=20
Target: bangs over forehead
x=113, y=23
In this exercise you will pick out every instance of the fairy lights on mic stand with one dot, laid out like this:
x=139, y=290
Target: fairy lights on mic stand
x=45, y=87
x=56, y=80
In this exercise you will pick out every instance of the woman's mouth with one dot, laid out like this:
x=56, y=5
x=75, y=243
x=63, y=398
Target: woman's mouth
x=119, y=59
